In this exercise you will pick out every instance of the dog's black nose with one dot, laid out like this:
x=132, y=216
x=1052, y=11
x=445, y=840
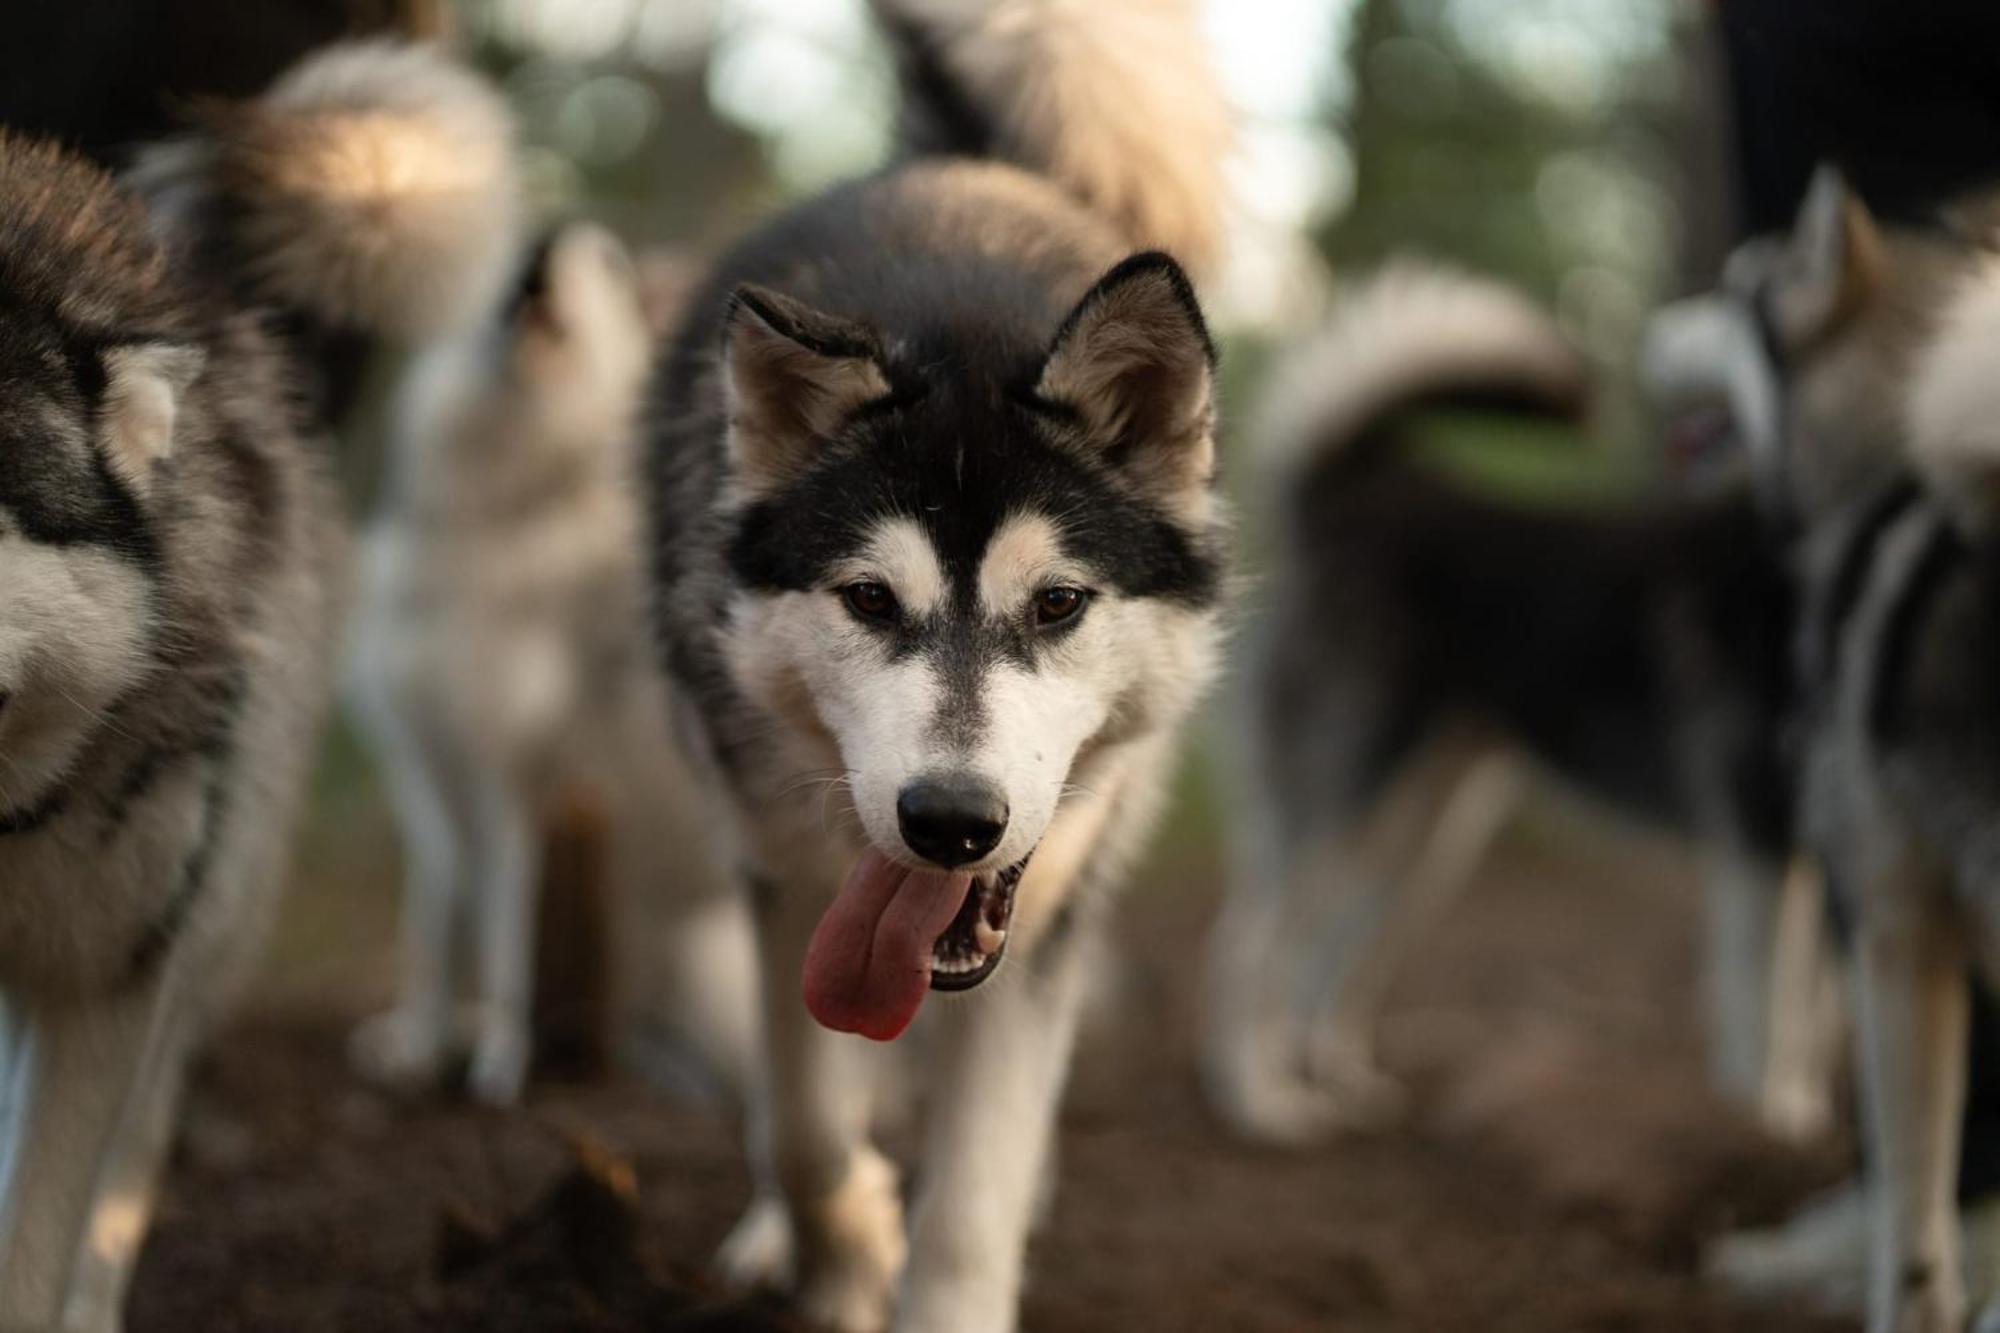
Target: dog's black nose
x=951, y=820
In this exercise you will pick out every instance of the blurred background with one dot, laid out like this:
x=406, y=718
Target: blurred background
x=1553, y=142
x=1570, y=1160
x=1569, y=146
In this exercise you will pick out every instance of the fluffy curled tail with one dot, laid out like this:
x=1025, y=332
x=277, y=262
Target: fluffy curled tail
x=1953, y=408
x=1411, y=337
x=372, y=190
x=1116, y=101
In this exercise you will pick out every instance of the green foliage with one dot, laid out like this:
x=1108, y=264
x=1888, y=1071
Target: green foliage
x=1533, y=141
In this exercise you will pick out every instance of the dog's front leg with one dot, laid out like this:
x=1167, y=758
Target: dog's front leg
x=809, y=1143
x=994, y=1097
x=76, y=1084
x=1806, y=1018
x=1912, y=1010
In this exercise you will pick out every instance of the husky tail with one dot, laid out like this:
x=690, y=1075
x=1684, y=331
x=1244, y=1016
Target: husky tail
x=1413, y=337
x=1953, y=409
x=1116, y=101
x=370, y=192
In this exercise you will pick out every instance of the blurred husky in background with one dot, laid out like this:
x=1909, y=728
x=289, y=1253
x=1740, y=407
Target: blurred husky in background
x=171, y=545
x=498, y=655
x=1420, y=642
x=939, y=565
x=1876, y=350
x=1903, y=794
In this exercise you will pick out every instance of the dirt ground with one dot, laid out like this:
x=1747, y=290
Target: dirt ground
x=1561, y=1172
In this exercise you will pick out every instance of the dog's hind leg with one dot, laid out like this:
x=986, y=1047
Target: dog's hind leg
x=412, y=1041
x=130, y=1182
x=1912, y=1012
x=76, y=1084
x=1805, y=1018
x=1741, y=905
x=505, y=879
x=992, y=1124
x=1451, y=807
x=1250, y=1055
x=1308, y=943
x=1771, y=991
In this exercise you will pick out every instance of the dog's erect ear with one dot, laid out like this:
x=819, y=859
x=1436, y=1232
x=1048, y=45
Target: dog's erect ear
x=1832, y=261
x=1134, y=361
x=792, y=375
x=143, y=386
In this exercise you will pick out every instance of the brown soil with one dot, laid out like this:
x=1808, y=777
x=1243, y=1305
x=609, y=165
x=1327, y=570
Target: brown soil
x=1562, y=1171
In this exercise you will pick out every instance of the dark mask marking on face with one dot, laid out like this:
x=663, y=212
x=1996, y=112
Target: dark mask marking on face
x=960, y=468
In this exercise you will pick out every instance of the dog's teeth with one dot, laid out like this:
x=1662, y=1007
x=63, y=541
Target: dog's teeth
x=986, y=937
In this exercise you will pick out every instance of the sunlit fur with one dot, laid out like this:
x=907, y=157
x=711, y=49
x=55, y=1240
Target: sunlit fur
x=1954, y=398
x=374, y=184
x=1120, y=104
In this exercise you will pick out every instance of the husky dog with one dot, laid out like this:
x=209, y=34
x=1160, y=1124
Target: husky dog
x=1812, y=340
x=1808, y=341
x=498, y=650
x=170, y=542
x=1903, y=795
x=1421, y=640
x=938, y=560
x=1880, y=350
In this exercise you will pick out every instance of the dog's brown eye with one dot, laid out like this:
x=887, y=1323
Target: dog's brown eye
x=870, y=601
x=1055, y=605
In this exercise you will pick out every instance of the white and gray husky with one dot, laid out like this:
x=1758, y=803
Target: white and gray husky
x=170, y=544
x=938, y=563
x=1876, y=351
x=1421, y=640
x=1861, y=359
x=499, y=652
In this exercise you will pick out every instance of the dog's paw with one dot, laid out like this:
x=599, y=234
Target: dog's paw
x=1366, y=1098
x=758, y=1254
x=1924, y=1311
x=1267, y=1101
x=399, y=1050
x=955, y=1305
x=852, y=1249
x=1278, y=1111
x=1818, y=1257
x=499, y=1068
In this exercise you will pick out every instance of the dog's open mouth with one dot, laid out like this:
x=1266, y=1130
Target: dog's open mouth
x=969, y=950
x=893, y=934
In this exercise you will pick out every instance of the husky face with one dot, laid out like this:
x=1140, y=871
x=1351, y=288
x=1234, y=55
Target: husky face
x=1798, y=346
x=81, y=433
x=971, y=586
x=577, y=336
x=1711, y=354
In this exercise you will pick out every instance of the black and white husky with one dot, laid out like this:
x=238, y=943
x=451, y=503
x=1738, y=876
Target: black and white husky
x=1420, y=641
x=938, y=561
x=170, y=543
x=498, y=648
x=1883, y=348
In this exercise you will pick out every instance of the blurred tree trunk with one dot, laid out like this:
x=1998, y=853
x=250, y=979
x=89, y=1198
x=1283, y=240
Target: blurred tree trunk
x=573, y=1006
x=1706, y=167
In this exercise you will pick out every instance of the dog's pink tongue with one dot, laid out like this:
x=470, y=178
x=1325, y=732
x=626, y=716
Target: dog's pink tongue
x=869, y=963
